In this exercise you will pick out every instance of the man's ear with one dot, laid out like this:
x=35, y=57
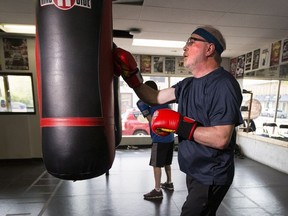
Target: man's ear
x=211, y=49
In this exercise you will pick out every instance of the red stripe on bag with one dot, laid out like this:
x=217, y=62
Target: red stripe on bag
x=71, y=122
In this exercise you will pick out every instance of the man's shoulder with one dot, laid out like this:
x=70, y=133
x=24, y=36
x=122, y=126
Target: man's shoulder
x=222, y=76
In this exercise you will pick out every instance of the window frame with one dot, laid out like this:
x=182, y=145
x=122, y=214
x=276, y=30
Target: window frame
x=25, y=74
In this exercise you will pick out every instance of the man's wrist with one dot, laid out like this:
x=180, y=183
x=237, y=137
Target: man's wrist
x=135, y=80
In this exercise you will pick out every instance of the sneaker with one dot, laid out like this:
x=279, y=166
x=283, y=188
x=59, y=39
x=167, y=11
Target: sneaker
x=168, y=186
x=153, y=195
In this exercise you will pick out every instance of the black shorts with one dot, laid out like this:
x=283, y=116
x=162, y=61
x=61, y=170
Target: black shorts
x=161, y=154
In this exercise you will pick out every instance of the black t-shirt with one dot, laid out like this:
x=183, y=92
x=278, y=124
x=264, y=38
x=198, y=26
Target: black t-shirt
x=214, y=99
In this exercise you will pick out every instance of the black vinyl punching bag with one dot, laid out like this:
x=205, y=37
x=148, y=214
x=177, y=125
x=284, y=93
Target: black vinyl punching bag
x=75, y=86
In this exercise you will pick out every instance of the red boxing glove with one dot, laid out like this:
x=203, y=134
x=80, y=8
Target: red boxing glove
x=168, y=121
x=125, y=65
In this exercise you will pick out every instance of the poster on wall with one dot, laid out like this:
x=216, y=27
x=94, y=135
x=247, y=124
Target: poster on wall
x=170, y=65
x=233, y=66
x=275, y=53
x=137, y=59
x=180, y=69
x=265, y=57
x=240, y=66
x=158, y=64
x=145, y=64
x=15, y=54
x=248, y=61
x=256, y=59
x=285, y=51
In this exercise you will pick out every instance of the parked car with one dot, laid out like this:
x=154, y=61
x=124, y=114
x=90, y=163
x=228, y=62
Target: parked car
x=2, y=105
x=271, y=112
x=16, y=106
x=19, y=107
x=281, y=114
x=133, y=123
x=266, y=112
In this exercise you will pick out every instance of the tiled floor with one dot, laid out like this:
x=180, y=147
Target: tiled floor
x=27, y=189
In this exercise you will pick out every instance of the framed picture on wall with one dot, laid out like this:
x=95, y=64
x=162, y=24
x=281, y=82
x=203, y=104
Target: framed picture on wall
x=158, y=64
x=180, y=69
x=265, y=57
x=233, y=66
x=240, y=66
x=256, y=59
x=248, y=61
x=145, y=64
x=170, y=65
x=137, y=59
x=275, y=53
x=285, y=51
x=15, y=54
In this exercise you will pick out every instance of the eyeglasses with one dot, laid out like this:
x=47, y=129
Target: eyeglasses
x=192, y=40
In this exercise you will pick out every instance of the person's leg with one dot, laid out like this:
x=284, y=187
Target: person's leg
x=168, y=184
x=168, y=161
x=157, y=177
x=167, y=155
x=157, y=164
x=196, y=199
x=156, y=193
x=168, y=173
x=202, y=199
x=216, y=195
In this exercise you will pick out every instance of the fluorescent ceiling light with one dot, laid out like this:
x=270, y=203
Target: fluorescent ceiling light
x=158, y=43
x=23, y=29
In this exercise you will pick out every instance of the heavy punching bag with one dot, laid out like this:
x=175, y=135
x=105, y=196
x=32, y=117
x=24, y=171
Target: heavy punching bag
x=75, y=86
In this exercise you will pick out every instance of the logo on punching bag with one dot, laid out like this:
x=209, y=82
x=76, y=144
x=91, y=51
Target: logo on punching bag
x=66, y=4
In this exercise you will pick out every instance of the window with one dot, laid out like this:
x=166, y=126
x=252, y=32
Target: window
x=16, y=94
x=273, y=97
x=133, y=123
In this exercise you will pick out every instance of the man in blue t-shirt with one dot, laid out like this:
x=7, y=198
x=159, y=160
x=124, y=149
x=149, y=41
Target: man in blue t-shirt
x=161, y=151
x=208, y=112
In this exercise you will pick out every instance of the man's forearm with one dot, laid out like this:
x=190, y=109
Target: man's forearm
x=155, y=97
